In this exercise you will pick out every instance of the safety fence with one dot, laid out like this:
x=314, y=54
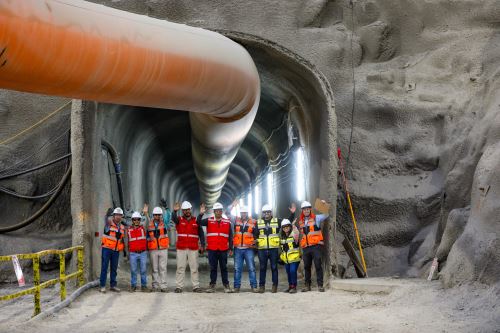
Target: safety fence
x=36, y=289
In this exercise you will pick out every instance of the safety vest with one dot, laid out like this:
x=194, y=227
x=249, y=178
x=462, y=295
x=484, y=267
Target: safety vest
x=289, y=251
x=311, y=234
x=270, y=241
x=187, y=234
x=243, y=235
x=158, y=236
x=113, y=239
x=136, y=239
x=218, y=234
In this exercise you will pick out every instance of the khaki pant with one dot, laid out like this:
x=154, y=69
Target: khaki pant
x=159, y=267
x=187, y=257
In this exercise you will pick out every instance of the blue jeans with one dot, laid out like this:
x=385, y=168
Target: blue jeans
x=239, y=256
x=291, y=272
x=141, y=259
x=109, y=256
x=220, y=258
x=272, y=255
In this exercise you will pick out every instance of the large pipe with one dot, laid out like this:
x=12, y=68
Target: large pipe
x=81, y=50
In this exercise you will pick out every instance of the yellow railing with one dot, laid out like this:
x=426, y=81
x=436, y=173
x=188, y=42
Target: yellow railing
x=36, y=274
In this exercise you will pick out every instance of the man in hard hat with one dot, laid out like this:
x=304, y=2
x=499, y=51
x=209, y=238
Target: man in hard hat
x=244, y=244
x=311, y=242
x=189, y=236
x=219, y=244
x=268, y=243
x=137, y=248
x=112, y=243
x=157, y=241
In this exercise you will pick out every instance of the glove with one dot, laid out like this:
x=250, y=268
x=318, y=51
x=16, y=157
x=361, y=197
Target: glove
x=280, y=262
x=285, y=247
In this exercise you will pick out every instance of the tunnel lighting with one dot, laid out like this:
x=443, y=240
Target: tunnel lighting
x=256, y=194
x=270, y=189
x=300, y=167
x=249, y=202
x=234, y=211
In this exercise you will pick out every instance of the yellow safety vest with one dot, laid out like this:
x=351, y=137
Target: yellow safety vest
x=293, y=253
x=271, y=241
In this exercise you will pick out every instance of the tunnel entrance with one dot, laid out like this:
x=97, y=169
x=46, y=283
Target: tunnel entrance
x=294, y=130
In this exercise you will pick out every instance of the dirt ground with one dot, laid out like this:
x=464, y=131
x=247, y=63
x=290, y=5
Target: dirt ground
x=414, y=306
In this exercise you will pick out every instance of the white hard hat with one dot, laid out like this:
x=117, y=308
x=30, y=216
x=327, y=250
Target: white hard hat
x=186, y=205
x=243, y=209
x=218, y=205
x=285, y=222
x=136, y=215
x=305, y=204
x=266, y=208
x=118, y=210
x=157, y=211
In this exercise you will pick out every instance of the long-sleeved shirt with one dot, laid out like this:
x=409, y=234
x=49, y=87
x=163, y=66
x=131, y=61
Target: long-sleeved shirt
x=201, y=234
x=203, y=222
x=320, y=218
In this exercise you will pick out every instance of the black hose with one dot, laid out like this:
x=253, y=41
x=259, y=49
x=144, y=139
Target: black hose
x=45, y=206
x=35, y=168
x=29, y=197
x=118, y=169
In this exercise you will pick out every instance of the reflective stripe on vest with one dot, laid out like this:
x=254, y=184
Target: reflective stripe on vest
x=187, y=234
x=271, y=241
x=293, y=253
x=157, y=243
x=138, y=243
x=311, y=234
x=109, y=239
x=218, y=234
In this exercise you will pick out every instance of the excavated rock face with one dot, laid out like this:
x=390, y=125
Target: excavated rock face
x=424, y=155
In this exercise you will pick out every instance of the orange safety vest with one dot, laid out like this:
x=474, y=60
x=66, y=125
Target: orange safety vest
x=113, y=239
x=218, y=234
x=243, y=236
x=158, y=236
x=311, y=234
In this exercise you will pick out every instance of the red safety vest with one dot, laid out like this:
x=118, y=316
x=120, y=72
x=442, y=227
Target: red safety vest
x=311, y=234
x=136, y=239
x=218, y=234
x=187, y=234
x=243, y=238
x=158, y=237
x=113, y=239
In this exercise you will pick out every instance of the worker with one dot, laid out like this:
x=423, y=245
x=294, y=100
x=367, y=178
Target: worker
x=219, y=244
x=268, y=243
x=290, y=253
x=244, y=244
x=112, y=243
x=137, y=248
x=157, y=241
x=189, y=236
x=311, y=242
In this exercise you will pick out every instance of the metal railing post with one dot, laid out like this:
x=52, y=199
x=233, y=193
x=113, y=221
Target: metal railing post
x=36, y=282
x=62, y=275
x=80, y=267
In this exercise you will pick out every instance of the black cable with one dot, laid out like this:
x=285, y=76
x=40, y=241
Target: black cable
x=41, y=166
x=29, y=197
x=353, y=108
x=42, y=210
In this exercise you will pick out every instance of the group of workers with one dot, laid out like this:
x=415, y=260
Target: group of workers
x=273, y=239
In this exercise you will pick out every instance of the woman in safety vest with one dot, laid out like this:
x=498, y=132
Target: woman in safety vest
x=290, y=253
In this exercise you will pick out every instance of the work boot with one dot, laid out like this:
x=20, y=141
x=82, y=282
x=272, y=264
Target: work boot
x=288, y=289
x=156, y=289
x=293, y=290
x=321, y=289
x=275, y=288
x=132, y=289
x=115, y=289
x=236, y=290
x=211, y=289
x=307, y=287
x=164, y=290
x=255, y=290
x=197, y=290
x=145, y=289
x=227, y=289
x=178, y=290
x=103, y=290
x=262, y=289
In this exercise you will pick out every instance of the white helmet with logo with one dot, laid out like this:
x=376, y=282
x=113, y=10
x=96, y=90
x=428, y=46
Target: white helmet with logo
x=157, y=211
x=136, y=215
x=266, y=208
x=217, y=205
x=305, y=204
x=285, y=222
x=118, y=211
x=186, y=205
x=243, y=209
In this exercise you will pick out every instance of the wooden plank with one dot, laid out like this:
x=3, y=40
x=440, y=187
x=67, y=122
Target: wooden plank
x=354, y=258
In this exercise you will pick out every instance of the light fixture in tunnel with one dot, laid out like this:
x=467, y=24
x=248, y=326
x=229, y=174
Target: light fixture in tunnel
x=249, y=202
x=270, y=188
x=300, y=168
x=256, y=194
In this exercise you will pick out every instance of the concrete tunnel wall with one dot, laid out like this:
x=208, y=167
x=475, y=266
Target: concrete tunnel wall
x=156, y=156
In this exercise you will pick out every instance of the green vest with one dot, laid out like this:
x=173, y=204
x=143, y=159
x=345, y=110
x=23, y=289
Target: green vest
x=293, y=253
x=271, y=241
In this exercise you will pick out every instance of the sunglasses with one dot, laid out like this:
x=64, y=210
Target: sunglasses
x=136, y=219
